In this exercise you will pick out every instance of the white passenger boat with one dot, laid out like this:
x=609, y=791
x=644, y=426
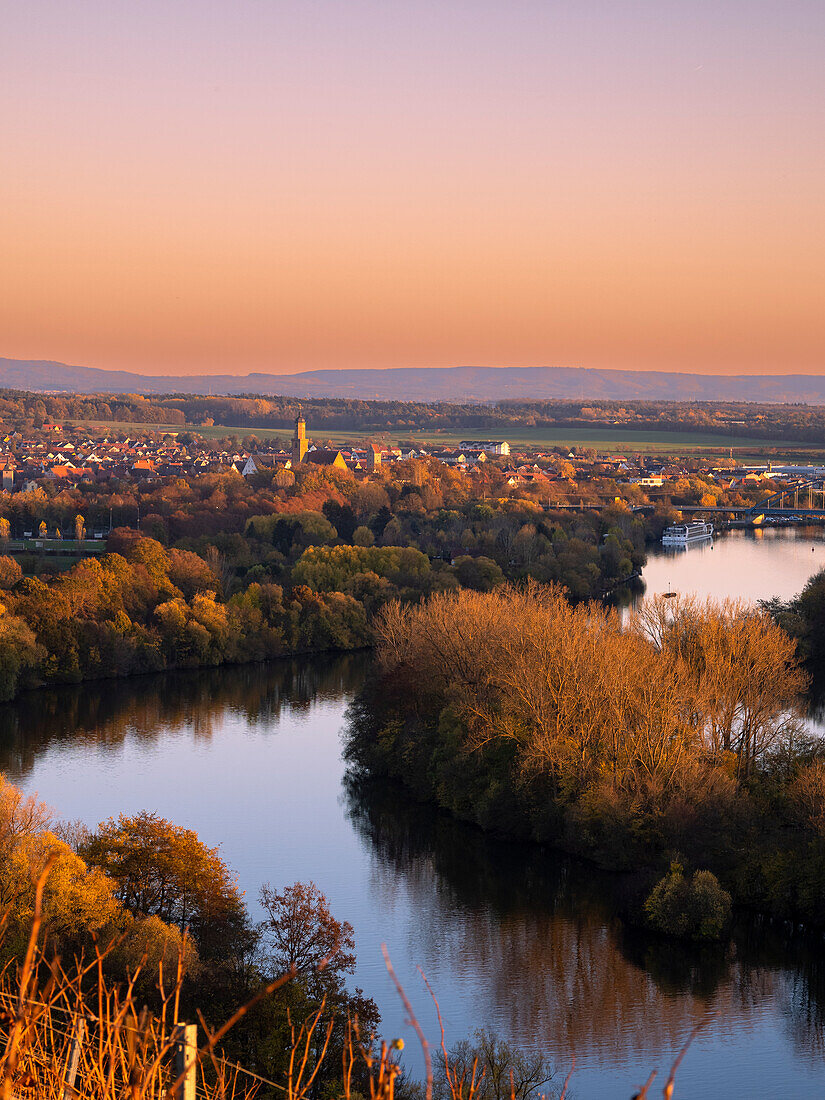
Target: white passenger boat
x=681, y=534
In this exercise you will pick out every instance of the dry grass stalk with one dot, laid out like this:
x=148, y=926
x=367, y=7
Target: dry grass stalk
x=127, y=1053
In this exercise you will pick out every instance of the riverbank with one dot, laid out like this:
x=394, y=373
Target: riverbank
x=512, y=936
x=538, y=721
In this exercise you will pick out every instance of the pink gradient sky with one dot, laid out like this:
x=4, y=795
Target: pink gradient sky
x=196, y=187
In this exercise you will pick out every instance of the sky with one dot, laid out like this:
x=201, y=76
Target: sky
x=190, y=186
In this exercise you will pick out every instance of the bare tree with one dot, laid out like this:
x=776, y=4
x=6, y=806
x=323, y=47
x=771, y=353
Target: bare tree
x=301, y=934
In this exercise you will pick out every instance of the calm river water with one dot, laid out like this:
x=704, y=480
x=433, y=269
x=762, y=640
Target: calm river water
x=511, y=937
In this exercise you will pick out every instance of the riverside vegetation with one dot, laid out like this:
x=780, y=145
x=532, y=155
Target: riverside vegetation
x=153, y=917
x=670, y=743
x=137, y=925
x=673, y=737
x=244, y=572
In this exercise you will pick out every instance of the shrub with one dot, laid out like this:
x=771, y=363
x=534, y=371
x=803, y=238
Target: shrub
x=362, y=536
x=807, y=797
x=697, y=909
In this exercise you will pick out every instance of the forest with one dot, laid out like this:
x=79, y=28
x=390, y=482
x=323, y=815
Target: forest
x=224, y=571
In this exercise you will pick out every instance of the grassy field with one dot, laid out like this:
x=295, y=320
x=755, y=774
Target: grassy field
x=35, y=564
x=614, y=439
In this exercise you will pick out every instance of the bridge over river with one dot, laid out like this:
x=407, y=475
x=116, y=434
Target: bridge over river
x=804, y=500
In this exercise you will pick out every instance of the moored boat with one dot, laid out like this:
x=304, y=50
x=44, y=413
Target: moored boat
x=680, y=534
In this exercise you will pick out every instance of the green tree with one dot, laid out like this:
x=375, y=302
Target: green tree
x=696, y=909
x=481, y=573
x=362, y=536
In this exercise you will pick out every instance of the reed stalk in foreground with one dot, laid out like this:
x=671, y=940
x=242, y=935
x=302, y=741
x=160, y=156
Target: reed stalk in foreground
x=75, y=1036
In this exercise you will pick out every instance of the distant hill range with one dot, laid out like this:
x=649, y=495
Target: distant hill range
x=458, y=384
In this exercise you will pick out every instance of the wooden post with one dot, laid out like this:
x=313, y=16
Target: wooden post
x=186, y=1060
x=78, y=1037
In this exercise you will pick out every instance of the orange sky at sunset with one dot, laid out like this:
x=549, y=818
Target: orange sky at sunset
x=282, y=186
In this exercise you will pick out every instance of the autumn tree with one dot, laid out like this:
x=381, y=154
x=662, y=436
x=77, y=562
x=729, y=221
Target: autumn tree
x=301, y=934
x=79, y=900
x=191, y=574
x=743, y=667
x=10, y=571
x=165, y=870
x=220, y=568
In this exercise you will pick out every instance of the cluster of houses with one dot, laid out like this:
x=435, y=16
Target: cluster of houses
x=26, y=463
x=68, y=457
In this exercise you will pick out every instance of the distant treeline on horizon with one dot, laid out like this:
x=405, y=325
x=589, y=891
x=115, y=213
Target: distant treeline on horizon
x=793, y=423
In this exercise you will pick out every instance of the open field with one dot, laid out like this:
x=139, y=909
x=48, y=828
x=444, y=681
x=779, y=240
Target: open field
x=644, y=439
x=35, y=564
x=619, y=439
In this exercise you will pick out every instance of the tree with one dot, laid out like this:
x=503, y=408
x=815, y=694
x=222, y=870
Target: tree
x=76, y=899
x=220, y=568
x=342, y=518
x=807, y=797
x=79, y=528
x=300, y=933
x=480, y=573
x=743, y=665
x=191, y=574
x=5, y=528
x=501, y=1072
x=369, y=498
x=19, y=652
x=10, y=571
x=696, y=909
x=362, y=536
x=164, y=870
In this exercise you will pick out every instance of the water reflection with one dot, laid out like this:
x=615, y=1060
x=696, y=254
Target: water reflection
x=150, y=708
x=749, y=564
x=513, y=937
x=562, y=971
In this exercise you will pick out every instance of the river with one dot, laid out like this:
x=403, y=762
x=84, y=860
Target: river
x=511, y=937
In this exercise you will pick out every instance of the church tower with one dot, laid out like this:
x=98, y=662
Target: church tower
x=299, y=441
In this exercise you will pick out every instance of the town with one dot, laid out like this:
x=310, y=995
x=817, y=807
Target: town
x=82, y=466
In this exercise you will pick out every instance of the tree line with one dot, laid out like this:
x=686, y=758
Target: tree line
x=222, y=571
x=795, y=422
